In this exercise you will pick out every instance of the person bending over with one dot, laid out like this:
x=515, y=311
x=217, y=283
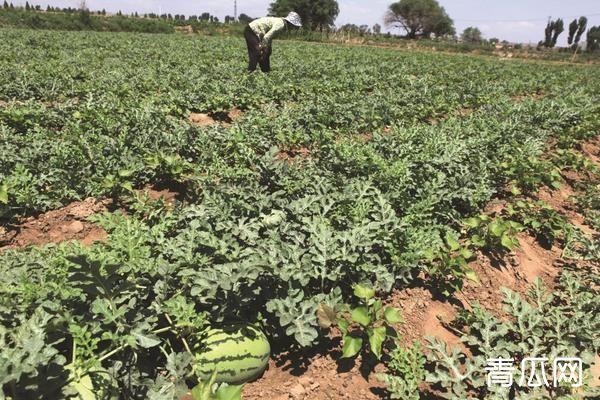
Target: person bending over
x=259, y=35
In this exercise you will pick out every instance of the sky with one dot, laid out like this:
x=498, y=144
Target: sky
x=520, y=21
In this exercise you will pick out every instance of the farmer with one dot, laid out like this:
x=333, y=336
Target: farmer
x=259, y=34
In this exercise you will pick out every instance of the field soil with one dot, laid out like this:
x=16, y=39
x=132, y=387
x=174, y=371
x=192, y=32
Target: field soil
x=64, y=224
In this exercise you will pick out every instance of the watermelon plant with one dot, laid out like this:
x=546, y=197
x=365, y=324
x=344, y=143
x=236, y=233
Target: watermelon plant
x=535, y=327
x=406, y=371
x=338, y=174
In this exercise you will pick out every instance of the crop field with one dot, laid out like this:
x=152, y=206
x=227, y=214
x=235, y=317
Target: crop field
x=152, y=192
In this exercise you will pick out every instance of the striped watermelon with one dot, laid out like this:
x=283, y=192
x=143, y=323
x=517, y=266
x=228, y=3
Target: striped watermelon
x=238, y=353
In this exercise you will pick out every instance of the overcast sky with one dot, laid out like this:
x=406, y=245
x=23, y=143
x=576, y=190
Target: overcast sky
x=512, y=20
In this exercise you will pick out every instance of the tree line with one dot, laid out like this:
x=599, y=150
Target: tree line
x=577, y=28
x=416, y=18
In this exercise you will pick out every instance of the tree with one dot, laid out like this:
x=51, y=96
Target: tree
x=547, y=34
x=245, y=19
x=5, y=4
x=349, y=28
x=419, y=18
x=494, y=41
x=377, y=29
x=27, y=5
x=84, y=14
x=581, y=26
x=559, y=27
x=552, y=32
x=593, y=38
x=315, y=14
x=472, y=35
x=572, y=30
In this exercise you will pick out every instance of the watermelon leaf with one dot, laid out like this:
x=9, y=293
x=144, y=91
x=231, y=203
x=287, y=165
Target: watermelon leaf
x=229, y=392
x=203, y=390
x=146, y=341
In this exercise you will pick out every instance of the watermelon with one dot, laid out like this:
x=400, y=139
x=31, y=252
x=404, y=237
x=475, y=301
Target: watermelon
x=238, y=353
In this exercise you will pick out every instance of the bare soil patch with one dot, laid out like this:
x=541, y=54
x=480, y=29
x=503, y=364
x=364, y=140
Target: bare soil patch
x=592, y=150
x=323, y=379
x=536, y=262
x=529, y=96
x=64, y=224
x=207, y=119
x=167, y=195
x=560, y=201
x=201, y=119
x=293, y=154
x=184, y=29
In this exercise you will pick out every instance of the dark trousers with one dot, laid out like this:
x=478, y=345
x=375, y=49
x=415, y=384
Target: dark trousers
x=254, y=54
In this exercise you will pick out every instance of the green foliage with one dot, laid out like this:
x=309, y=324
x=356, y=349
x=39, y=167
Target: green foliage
x=448, y=266
x=493, y=234
x=564, y=324
x=319, y=14
x=370, y=322
x=593, y=38
x=552, y=32
x=167, y=168
x=336, y=174
x=212, y=391
x=472, y=34
x=406, y=372
x=540, y=219
x=571, y=160
x=82, y=20
x=527, y=173
x=589, y=205
x=419, y=18
x=576, y=30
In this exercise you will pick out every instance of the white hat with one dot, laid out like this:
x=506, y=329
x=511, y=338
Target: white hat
x=294, y=19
